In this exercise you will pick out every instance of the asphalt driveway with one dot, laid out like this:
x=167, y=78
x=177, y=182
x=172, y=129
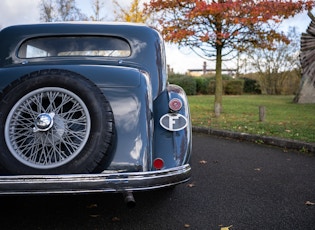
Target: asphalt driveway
x=235, y=185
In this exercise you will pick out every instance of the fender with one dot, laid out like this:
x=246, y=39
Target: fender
x=173, y=146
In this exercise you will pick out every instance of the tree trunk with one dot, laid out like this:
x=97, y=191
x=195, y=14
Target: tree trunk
x=218, y=83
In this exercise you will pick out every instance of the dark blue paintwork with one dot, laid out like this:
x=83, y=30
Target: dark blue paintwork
x=138, y=92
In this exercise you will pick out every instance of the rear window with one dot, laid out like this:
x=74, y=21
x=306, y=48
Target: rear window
x=96, y=46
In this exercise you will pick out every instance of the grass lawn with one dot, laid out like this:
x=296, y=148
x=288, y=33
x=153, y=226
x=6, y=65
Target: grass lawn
x=283, y=119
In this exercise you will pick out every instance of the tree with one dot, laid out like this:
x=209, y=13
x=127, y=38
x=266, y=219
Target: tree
x=68, y=11
x=133, y=13
x=219, y=28
x=97, y=6
x=47, y=13
x=274, y=66
x=60, y=10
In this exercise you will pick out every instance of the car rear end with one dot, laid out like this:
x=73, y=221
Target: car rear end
x=151, y=129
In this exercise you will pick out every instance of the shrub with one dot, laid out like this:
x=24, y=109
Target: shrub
x=251, y=86
x=186, y=82
x=203, y=85
x=230, y=87
x=234, y=87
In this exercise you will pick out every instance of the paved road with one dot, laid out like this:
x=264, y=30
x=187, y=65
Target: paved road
x=234, y=183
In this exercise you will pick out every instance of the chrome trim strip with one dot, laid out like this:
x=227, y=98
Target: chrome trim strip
x=87, y=183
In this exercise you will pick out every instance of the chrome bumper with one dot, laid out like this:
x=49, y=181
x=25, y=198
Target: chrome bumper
x=87, y=183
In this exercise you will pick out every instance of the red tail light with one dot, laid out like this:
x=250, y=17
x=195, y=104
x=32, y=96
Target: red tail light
x=158, y=163
x=175, y=104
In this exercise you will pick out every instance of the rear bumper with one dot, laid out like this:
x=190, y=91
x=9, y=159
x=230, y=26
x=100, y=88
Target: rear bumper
x=87, y=183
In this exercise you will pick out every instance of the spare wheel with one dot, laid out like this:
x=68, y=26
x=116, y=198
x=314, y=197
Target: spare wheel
x=55, y=122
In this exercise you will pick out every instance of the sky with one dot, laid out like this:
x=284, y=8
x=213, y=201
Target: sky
x=14, y=12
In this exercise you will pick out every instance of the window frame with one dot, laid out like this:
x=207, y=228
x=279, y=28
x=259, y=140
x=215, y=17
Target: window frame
x=54, y=47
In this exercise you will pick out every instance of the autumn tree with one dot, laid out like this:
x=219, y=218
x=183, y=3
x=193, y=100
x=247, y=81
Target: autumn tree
x=218, y=28
x=132, y=13
x=275, y=66
x=60, y=10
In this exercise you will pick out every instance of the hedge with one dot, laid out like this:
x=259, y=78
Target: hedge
x=206, y=85
x=233, y=87
x=186, y=82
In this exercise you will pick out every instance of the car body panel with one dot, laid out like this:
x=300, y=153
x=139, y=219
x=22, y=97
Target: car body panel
x=137, y=90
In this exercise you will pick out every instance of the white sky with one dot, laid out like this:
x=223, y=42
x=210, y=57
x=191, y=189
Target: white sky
x=27, y=11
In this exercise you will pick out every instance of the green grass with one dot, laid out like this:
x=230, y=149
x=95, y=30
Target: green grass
x=284, y=118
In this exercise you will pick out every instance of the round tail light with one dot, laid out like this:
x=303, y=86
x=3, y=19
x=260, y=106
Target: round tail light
x=175, y=104
x=158, y=163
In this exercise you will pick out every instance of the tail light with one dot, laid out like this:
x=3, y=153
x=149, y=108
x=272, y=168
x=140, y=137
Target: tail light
x=158, y=163
x=175, y=104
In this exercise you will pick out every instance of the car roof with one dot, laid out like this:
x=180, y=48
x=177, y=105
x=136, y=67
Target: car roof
x=141, y=37
x=146, y=43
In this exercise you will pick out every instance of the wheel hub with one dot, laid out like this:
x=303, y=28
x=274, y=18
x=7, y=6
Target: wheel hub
x=44, y=122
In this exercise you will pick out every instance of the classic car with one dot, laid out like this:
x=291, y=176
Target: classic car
x=87, y=107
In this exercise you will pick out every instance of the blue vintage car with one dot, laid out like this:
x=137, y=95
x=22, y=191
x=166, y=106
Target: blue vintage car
x=86, y=107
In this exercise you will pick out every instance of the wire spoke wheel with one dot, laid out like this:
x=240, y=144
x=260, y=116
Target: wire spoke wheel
x=47, y=127
x=55, y=122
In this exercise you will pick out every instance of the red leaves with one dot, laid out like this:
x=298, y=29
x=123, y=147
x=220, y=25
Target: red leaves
x=176, y=34
x=195, y=22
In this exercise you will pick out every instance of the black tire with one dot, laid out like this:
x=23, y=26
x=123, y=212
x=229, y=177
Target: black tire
x=55, y=122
